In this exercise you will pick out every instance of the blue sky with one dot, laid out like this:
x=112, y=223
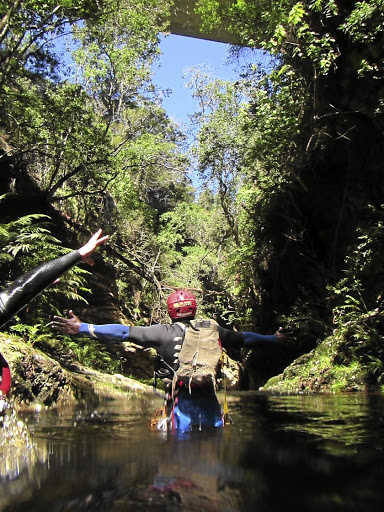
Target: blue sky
x=180, y=53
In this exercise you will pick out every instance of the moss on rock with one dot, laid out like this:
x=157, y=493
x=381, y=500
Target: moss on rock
x=38, y=379
x=319, y=371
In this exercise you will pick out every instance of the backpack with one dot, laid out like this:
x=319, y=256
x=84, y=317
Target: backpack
x=200, y=353
x=198, y=361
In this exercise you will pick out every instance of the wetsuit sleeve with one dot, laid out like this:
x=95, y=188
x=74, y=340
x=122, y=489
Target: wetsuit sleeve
x=32, y=283
x=151, y=336
x=113, y=333
x=238, y=339
x=253, y=338
x=231, y=339
x=5, y=385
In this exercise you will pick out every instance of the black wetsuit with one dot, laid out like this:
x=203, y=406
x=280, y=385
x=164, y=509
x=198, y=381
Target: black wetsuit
x=32, y=283
x=23, y=290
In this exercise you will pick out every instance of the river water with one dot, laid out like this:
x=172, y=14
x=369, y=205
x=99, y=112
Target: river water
x=299, y=452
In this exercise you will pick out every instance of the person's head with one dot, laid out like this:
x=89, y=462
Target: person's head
x=181, y=304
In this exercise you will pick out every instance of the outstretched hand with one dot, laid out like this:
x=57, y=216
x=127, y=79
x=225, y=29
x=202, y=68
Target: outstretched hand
x=281, y=335
x=69, y=325
x=91, y=245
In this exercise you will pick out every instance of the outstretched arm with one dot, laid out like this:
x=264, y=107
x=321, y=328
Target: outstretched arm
x=29, y=285
x=73, y=325
x=252, y=338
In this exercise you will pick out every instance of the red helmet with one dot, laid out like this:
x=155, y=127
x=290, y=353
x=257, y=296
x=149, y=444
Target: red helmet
x=181, y=304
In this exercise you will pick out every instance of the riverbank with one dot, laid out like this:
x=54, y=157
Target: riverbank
x=330, y=368
x=40, y=380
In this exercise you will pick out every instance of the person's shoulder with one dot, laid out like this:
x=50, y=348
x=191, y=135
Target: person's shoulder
x=164, y=327
x=179, y=324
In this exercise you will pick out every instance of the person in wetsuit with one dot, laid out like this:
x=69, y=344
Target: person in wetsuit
x=26, y=287
x=192, y=407
x=5, y=385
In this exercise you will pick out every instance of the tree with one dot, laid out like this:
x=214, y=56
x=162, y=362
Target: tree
x=219, y=146
x=71, y=132
x=313, y=133
x=92, y=141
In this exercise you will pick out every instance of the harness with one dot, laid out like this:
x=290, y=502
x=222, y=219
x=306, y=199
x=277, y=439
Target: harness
x=163, y=370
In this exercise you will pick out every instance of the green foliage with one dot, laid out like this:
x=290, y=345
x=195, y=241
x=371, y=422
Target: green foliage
x=219, y=152
x=22, y=235
x=365, y=26
x=343, y=376
x=32, y=334
x=64, y=139
x=287, y=118
x=219, y=145
x=296, y=29
x=78, y=135
x=358, y=299
x=376, y=367
x=28, y=30
x=188, y=241
x=91, y=353
x=26, y=235
x=320, y=48
x=94, y=138
x=246, y=151
x=88, y=352
x=253, y=22
x=365, y=22
x=27, y=242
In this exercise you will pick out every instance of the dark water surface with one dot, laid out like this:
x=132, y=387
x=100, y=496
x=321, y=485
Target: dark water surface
x=311, y=453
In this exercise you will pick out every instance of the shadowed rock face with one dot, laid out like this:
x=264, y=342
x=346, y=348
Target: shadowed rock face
x=185, y=22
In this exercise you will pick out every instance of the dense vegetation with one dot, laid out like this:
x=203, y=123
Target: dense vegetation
x=285, y=226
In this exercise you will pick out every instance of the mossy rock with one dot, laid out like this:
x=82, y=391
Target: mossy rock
x=40, y=379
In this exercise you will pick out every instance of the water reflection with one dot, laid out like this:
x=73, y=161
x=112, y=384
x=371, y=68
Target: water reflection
x=18, y=455
x=347, y=419
x=299, y=451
